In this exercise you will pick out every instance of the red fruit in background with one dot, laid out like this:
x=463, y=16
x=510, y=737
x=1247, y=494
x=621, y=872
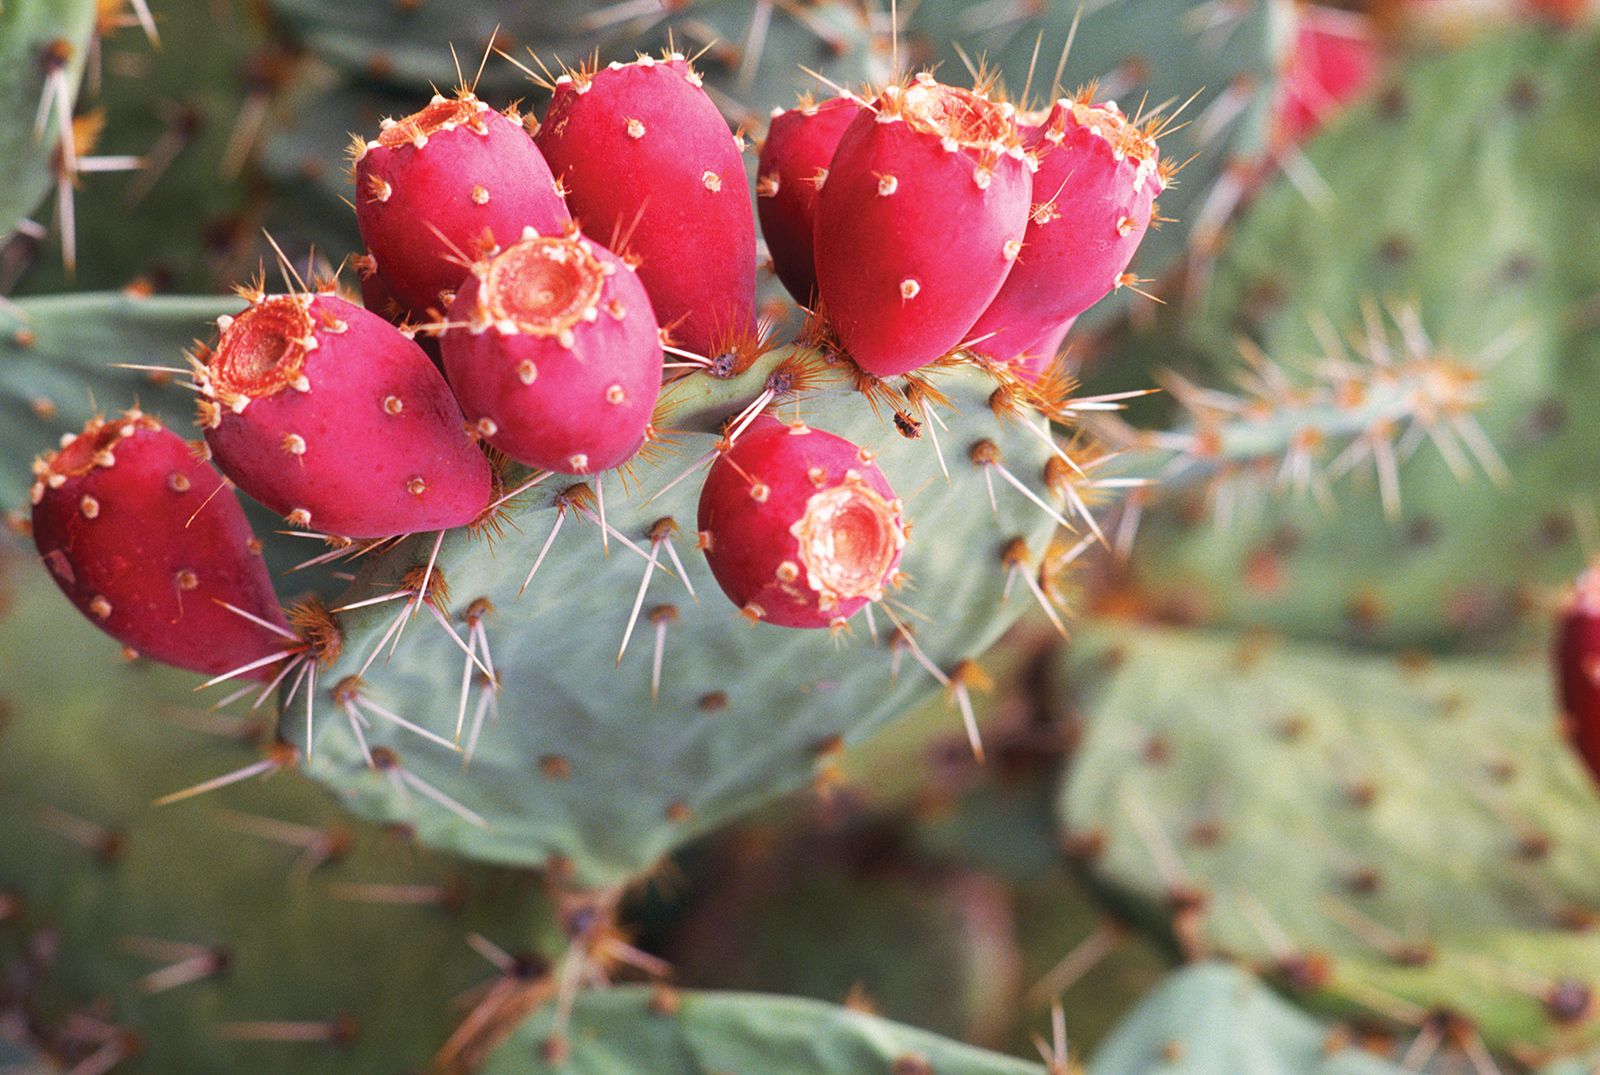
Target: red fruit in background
x=330, y=416
x=794, y=162
x=800, y=527
x=920, y=220
x=1093, y=197
x=558, y=364
x=139, y=534
x=1577, y=654
x=1334, y=58
x=433, y=184
x=650, y=166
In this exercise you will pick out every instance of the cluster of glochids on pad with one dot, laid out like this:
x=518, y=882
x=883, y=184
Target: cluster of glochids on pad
x=521, y=286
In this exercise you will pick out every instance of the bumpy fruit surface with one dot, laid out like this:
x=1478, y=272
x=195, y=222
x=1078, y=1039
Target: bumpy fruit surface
x=434, y=186
x=1578, y=669
x=144, y=539
x=921, y=218
x=795, y=156
x=800, y=526
x=1093, y=198
x=555, y=354
x=329, y=415
x=652, y=170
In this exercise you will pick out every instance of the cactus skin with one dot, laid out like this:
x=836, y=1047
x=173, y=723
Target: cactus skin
x=1271, y=819
x=626, y=1030
x=139, y=534
x=1577, y=659
x=800, y=527
x=1451, y=569
x=913, y=239
x=555, y=354
x=1093, y=199
x=302, y=943
x=440, y=183
x=1215, y=1019
x=795, y=156
x=652, y=170
x=357, y=436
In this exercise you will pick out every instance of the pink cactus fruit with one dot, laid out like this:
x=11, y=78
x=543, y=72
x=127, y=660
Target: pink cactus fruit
x=800, y=526
x=555, y=354
x=1093, y=198
x=431, y=186
x=145, y=539
x=920, y=220
x=794, y=163
x=1577, y=659
x=650, y=167
x=329, y=415
x=1334, y=58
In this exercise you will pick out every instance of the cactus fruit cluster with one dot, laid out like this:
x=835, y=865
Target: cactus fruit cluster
x=519, y=554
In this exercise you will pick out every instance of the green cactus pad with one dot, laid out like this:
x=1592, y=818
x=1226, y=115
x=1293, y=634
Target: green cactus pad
x=1387, y=837
x=1215, y=1019
x=624, y=1031
x=1467, y=193
x=580, y=768
x=27, y=29
x=85, y=750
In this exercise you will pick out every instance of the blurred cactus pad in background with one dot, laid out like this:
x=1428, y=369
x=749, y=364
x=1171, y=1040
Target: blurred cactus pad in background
x=799, y=537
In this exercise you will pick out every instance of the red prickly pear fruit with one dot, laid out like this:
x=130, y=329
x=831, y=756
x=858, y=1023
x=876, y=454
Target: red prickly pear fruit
x=555, y=354
x=1093, y=198
x=329, y=415
x=1334, y=58
x=431, y=186
x=1577, y=659
x=145, y=539
x=647, y=160
x=800, y=526
x=794, y=162
x=919, y=222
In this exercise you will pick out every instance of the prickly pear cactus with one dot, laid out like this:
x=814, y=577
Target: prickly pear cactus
x=579, y=767
x=1507, y=120
x=1215, y=1019
x=621, y=1030
x=264, y=930
x=1290, y=815
x=43, y=44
